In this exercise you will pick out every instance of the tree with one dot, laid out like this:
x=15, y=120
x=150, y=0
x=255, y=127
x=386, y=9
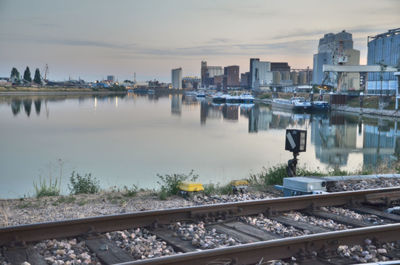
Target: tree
x=27, y=75
x=14, y=76
x=37, y=79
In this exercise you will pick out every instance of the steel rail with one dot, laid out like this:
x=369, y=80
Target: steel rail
x=301, y=246
x=76, y=227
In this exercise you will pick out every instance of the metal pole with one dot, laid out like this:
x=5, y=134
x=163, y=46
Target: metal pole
x=292, y=163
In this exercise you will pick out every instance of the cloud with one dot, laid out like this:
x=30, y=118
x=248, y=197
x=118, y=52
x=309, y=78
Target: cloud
x=69, y=42
x=319, y=33
x=224, y=49
x=239, y=10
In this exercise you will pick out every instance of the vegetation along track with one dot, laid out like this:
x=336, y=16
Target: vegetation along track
x=305, y=227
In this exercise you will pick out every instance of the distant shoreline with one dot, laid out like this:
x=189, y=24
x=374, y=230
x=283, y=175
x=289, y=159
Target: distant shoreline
x=55, y=91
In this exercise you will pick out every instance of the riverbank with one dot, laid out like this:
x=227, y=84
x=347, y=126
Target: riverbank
x=54, y=208
x=367, y=111
x=57, y=91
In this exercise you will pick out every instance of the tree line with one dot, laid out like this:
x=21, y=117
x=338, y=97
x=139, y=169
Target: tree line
x=27, y=78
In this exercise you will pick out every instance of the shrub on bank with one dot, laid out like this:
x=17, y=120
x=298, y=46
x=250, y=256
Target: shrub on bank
x=169, y=183
x=130, y=191
x=265, y=96
x=83, y=184
x=275, y=175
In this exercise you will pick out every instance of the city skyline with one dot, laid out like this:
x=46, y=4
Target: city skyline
x=93, y=39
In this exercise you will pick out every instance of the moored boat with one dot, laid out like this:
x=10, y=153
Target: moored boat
x=200, y=94
x=246, y=98
x=320, y=105
x=294, y=104
x=233, y=99
x=219, y=98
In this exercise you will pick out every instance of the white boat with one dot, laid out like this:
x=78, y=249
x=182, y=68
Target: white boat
x=294, y=104
x=321, y=105
x=219, y=97
x=246, y=106
x=246, y=98
x=191, y=93
x=200, y=94
x=233, y=99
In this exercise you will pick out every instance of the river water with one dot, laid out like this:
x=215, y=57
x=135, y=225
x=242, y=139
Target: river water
x=125, y=140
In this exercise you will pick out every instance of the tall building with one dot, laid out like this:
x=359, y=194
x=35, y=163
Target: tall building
x=383, y=49
x=336, y=49
x=111, y=78
x=260, y=73
x=231, y=76
x=218, y=81
x=176, y=78
x=203, y=73
x=244, y=80
x=208, y=73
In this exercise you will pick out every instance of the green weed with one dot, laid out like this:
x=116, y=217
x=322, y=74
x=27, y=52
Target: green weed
x=170, y=183
x=130, y=191
x=64, y=199
x=83, y=184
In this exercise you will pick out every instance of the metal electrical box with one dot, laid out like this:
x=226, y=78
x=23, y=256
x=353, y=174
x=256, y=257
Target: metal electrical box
x=303, y=185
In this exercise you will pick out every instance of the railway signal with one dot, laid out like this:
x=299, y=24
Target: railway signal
x=296, y=142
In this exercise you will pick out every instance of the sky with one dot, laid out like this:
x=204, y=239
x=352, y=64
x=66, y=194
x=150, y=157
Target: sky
x=91, y=39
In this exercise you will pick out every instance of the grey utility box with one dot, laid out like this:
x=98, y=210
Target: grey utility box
x=303, y=185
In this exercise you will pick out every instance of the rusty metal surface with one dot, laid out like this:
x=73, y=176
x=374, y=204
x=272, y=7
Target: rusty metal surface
x=301, y=246
x=76, y=227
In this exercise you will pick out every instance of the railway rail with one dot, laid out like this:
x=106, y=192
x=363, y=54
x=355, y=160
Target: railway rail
x=256, y=244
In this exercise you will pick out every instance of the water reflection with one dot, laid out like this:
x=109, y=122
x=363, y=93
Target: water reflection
x=380, y=144
x=334, y=137
x=28, y=106
x=176, y=104
x=15, y=106
x=18, y=102
x=38, y=105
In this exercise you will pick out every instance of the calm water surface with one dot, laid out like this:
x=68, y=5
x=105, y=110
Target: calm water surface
x=129, y=140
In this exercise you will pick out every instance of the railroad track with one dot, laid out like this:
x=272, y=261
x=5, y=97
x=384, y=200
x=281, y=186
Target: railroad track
x=304, y=227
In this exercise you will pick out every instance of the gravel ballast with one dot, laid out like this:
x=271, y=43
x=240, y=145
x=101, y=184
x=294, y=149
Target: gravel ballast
x=364, y=184
x=326, y=223
x=140, y=243
x=369, y=251
x=202, y=237
x=273, y=226
x=68, y=252
x=368, y=218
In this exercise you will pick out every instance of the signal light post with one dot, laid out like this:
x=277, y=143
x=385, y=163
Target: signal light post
x=296, y=142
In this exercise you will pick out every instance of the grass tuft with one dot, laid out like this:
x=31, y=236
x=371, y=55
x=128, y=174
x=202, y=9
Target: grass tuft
x=47, y=188
x=216, y=189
